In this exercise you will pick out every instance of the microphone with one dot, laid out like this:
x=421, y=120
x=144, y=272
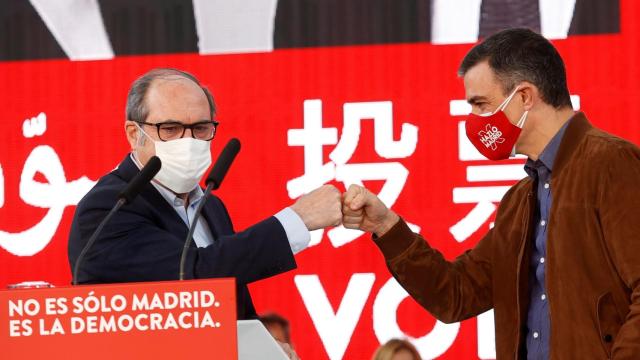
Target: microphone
x=213, y=182
x=223, y=163
x=141, y=179
x=125, y=196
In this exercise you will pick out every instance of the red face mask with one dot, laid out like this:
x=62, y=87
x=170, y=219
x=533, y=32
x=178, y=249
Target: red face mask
x=493, y=134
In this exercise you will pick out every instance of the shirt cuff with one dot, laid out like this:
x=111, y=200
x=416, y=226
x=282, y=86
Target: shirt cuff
x=297, y=232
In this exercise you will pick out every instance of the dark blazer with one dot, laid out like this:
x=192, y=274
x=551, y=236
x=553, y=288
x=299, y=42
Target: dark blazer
x=137, y=27
x=308, y=23
x=144, y=240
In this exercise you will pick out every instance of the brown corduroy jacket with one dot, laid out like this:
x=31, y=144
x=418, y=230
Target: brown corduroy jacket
x=592, y=261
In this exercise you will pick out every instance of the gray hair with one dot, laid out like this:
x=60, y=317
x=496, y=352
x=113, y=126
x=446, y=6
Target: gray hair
x=137, y=110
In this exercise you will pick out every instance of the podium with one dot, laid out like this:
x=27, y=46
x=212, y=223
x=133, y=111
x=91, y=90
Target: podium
x=255, y=342
x=151, y=320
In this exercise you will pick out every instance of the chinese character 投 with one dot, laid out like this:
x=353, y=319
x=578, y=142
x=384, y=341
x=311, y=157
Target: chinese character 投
x=318, y=172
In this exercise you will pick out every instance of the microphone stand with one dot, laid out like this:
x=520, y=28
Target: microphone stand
x=94, y=236
x=187, y=243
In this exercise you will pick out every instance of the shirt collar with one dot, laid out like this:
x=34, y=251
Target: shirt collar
x=548, y=155
x=172, y=198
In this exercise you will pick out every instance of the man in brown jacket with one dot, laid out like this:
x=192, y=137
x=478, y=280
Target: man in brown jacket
x=561, y=267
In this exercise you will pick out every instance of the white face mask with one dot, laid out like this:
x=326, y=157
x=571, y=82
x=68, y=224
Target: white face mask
x=184, y=161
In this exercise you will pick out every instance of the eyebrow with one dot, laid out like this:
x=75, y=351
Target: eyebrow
x=475, y=99
x=167, y=121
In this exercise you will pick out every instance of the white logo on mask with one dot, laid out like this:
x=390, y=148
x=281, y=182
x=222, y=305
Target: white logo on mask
x=491, y=136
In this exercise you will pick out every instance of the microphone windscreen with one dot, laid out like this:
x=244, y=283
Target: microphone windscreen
x=223, y=163
x=141, y=179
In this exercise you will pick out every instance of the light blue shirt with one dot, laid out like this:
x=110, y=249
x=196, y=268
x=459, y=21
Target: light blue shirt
x=297, y=233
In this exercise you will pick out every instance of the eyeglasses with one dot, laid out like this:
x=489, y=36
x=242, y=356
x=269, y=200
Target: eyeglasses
x=172, y=130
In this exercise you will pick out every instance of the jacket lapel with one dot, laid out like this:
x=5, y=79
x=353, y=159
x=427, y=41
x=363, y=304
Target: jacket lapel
x=522, y=276
x=575, y=132
x=210, y=214
x=126, y=171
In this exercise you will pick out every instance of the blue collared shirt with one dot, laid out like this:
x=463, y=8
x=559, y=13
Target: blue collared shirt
x=295, y=229
x=538, y=321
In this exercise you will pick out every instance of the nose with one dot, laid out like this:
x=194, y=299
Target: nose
x=190, y=131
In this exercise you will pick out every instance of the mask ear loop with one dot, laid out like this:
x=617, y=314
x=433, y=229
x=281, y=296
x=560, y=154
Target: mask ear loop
x=140, y=141
x=523, y=119
x=507, y=100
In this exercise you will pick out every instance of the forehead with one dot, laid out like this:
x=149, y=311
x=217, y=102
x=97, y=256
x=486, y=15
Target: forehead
x=481, y=81
x=176, y=98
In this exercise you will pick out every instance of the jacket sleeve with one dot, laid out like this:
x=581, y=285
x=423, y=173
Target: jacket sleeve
x=451, y=291
x=258, y=252
x=619, y=209
x=133, y=247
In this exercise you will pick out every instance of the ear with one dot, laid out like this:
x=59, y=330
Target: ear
x=132, y=132
x=528, y=94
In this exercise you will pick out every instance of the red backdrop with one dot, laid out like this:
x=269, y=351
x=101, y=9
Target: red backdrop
x=261, y=98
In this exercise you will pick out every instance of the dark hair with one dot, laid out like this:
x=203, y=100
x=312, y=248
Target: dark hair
x=136, y=107
x=517, y=55
x=275, y=319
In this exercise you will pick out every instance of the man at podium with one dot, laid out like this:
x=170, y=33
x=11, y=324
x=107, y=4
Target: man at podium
x=171, y=115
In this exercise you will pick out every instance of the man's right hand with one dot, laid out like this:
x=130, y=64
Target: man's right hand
x=363, y=210
x=320, y=208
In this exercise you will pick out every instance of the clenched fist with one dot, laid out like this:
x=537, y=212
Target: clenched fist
x=363, y=210
x=320, y=208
